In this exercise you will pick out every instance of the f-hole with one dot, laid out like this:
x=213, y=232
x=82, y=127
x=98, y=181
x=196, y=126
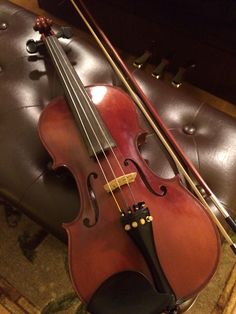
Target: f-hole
x=163, y=188
x=93, y=200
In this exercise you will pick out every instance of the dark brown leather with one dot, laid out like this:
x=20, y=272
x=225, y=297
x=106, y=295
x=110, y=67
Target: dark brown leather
x=28, y=83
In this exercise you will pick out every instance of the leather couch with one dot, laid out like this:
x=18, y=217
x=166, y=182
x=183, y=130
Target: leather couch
x=28, y=83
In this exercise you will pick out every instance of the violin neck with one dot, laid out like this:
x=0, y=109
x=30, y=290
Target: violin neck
x=95, y=134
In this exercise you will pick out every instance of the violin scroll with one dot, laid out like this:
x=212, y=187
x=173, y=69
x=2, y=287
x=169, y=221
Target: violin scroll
x=43, y=25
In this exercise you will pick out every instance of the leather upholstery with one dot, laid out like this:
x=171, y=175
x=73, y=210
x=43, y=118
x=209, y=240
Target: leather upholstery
x=28, y=83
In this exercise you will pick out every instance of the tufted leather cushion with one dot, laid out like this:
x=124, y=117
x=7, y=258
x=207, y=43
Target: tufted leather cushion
x=28, y=83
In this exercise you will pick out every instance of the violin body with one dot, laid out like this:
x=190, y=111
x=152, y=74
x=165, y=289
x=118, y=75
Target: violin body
x=186, y=240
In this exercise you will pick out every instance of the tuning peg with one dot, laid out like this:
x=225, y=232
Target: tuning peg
x=65, y=32
x=32, y=45
x=178, y=79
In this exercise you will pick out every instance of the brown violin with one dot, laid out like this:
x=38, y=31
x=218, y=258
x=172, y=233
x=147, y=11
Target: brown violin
x=129, y=218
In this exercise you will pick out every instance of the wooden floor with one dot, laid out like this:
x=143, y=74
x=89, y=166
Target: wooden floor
x=32, y=5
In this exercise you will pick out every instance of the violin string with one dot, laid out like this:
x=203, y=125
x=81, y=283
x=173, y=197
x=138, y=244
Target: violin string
x=55, y=42
x=87, y=135
x=87, y=99
x=50, y=47
x=89, y=104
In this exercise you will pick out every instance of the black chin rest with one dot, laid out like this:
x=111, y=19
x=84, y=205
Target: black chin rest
x=128, y=293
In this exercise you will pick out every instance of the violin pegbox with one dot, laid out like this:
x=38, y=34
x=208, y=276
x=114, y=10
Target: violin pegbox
x=43, y=26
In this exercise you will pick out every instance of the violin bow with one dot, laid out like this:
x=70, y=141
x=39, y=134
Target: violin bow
x=156, y=123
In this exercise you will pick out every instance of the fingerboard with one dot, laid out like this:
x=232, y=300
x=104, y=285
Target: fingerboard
x=96, y=136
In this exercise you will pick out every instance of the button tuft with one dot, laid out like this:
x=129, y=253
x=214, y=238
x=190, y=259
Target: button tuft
x=189, y=129
x=3, y=26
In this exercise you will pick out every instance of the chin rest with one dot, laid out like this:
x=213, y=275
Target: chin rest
x=128, y=292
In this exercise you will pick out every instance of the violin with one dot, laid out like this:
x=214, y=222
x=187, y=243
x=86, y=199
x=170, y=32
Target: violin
x=129, y=218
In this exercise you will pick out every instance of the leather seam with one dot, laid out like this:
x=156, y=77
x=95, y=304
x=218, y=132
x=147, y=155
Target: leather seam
x=27, y=189
x=197, y=153
x=4, y=114
x=15, y=60
x=19, y=9
x=198, y=111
